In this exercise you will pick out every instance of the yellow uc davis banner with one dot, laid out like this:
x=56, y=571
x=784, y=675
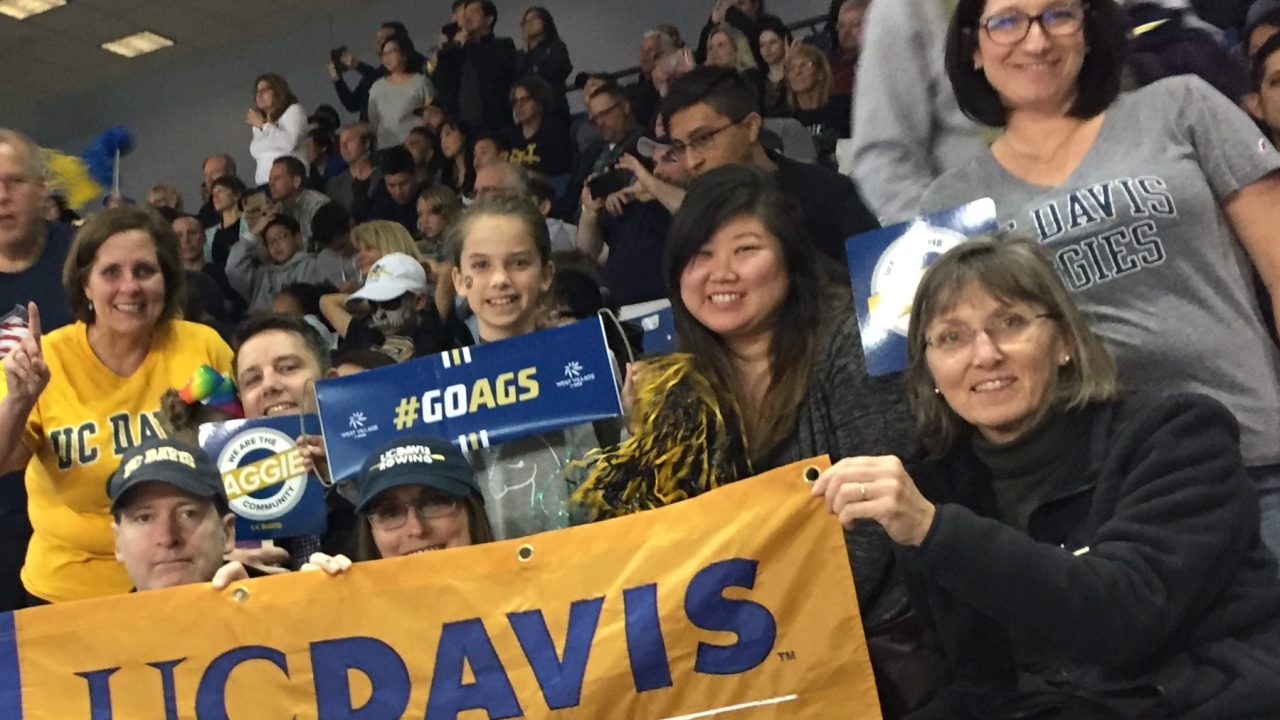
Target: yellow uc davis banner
x=736, y=605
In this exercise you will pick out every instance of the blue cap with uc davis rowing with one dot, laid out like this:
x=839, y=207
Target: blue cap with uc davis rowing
x=416, y=460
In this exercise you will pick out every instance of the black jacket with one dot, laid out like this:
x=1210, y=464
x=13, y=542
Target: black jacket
x=831, y=203
x=550, y=61
x=1145, y=578
x=494, y=63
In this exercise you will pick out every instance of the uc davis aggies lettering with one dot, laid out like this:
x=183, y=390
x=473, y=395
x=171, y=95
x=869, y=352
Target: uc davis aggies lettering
x=82, y=444
x=1121, y=250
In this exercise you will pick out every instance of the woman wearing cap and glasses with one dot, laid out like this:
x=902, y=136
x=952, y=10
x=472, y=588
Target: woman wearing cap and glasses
x=1157, y=205
x=1080, y=553
x=413, y=495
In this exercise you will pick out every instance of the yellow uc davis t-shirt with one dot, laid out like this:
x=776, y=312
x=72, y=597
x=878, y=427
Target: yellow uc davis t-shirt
x=82, y=424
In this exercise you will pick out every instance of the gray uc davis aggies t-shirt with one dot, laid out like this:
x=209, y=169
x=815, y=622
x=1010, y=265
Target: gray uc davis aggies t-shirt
x=1139, y=235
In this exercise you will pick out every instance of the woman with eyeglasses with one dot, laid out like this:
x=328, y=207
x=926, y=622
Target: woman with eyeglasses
x=414, y=494
x=1080, y=552
x=812, y=100
x=538, y=141
x=1157, y=205
x=545, y=56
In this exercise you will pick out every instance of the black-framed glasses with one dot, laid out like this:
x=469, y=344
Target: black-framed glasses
x=1006, y=329
x=1010, y=28
x=606, y=111
x=394, y=516
x=698, y=142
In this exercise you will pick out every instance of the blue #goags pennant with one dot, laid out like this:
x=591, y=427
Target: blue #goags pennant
x=474, y=397
x=886, y=265
x=271, y=493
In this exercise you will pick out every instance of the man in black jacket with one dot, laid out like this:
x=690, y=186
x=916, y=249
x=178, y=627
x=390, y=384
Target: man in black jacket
x=713, y=117
x=475, y=70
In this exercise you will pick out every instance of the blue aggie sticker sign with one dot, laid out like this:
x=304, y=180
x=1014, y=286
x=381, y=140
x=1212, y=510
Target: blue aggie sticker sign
x=886, y=265
x=474, y=397
x=268, y=487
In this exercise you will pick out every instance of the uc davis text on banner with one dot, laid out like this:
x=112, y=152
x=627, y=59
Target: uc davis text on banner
x=885, y=266
x=270, y=491
x=738, y=604
x=475, y=397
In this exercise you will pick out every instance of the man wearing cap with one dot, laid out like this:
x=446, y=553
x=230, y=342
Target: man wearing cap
x=172, y=522
x=417, y=494
x=634, y=223
x=400, y=319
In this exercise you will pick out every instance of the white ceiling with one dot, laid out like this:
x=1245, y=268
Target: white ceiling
x=58, y=52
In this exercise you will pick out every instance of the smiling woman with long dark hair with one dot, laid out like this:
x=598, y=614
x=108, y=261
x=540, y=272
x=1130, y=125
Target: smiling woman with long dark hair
x=769, y=322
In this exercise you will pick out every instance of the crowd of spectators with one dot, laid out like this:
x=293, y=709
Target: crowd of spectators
x=1068, y=504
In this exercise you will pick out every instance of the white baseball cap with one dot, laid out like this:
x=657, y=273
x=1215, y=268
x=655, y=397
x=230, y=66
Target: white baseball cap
x=389, y=278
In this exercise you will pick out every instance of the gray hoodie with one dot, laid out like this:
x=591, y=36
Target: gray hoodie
x=259, y=282
x=907, y=127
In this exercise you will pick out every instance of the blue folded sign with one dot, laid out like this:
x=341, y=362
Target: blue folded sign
x=475, y=397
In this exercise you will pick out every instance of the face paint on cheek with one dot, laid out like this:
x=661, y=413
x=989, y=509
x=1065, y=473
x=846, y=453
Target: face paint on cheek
x=467, y=282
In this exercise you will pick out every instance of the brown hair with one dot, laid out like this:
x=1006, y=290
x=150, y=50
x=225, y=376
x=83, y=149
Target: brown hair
x=477, y=522
x=1011, y=268
x=444, y=199
x=500, y=205
x=826, y=81
x=107, y=224
x=280, y=88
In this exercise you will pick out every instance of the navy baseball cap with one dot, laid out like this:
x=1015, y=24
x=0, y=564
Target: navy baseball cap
x=183, y=466
x=416, y=460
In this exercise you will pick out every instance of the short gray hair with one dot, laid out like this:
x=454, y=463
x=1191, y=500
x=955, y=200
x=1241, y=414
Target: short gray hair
x=228, y=163
x=666, y=43
x=33, y=153
x=1012, y=268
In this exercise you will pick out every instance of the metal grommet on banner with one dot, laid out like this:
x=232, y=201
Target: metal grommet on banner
x=525, y=553
x=811, y=474
x=240, y=594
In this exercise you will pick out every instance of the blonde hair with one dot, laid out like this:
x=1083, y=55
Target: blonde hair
x=745, y=59
x=165, y=196
x=1011, y=268
x=826, y=81
x=385, y=235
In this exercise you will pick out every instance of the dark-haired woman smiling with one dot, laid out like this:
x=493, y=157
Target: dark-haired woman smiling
x=769, y=318
x=1157, y=205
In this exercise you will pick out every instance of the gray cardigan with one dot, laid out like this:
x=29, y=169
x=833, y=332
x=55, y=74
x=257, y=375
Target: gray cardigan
x=847, y=413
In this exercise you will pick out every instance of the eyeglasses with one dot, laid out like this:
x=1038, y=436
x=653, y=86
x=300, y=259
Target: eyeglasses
x=1012, y=27
x=596, y=118
x=798, y=67
x=426, y=508
x=1005, y=330
x=699, y=142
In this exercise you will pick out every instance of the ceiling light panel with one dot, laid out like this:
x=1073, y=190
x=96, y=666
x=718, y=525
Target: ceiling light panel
x=137, y=44
x=23, y=9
